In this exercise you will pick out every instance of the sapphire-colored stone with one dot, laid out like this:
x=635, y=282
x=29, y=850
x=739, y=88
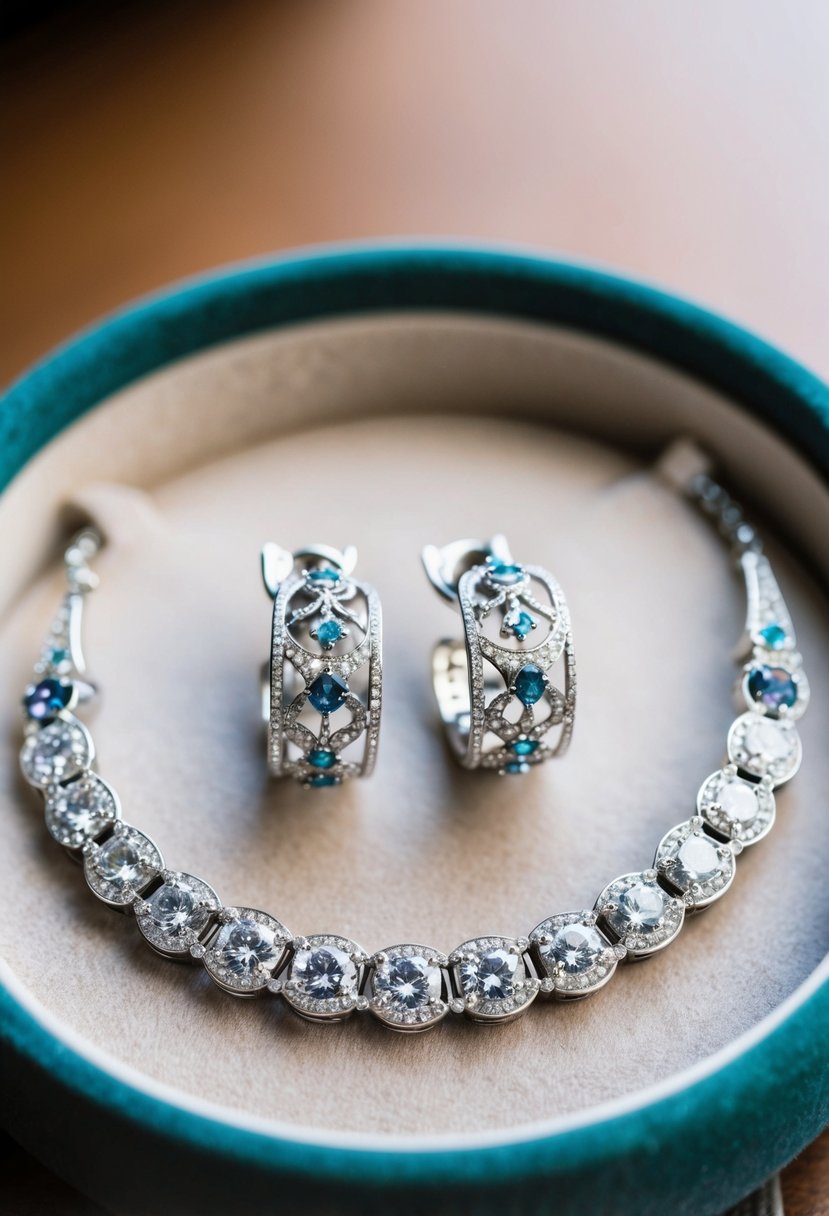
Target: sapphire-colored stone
x=320, y=757
x=514, y=767
x=774, y=636
x=324, y=574
x=524, y=747
x=329, y=632
x=529, y=684
x=506, y=573
x=44, y=701
x=322, y=779
x=327, y=693
x=772, y=687
x=522, y=625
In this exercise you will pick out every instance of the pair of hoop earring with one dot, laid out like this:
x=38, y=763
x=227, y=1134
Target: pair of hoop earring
x=495, y=689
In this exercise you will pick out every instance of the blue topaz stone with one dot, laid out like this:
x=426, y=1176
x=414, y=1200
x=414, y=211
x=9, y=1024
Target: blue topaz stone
x=774, y=636
x=327, y=693
x=530, y=684
x=506, y=574
x=524, y=747
x=44, y=700
x=772, y=687
x=329, y=631
x=320, y=780
x=522, y=625
x=324, y=574
x=515, y=767
x=321, y=757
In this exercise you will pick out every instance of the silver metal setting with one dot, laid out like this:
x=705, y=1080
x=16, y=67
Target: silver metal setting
x=325, y=664
x=494, y=687
x=410, y=987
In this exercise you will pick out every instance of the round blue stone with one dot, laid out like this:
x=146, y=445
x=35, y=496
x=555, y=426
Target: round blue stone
x=320, y=757
x=322, y=779
x=514, y=767
x=327, y=692
x=506, y=573
x=529, y=684
x=772, y=687
x=774, y=636
x=45, y=700
x=524, y=747
x=329, y=632
x=324, y=574
x=522, y=626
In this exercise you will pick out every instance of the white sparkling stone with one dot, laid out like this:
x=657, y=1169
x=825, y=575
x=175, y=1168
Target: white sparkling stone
x=171, y=909
x=176, y=911
x=765, y=740
x=643, y=905
x=696, y=860
x=55, y=752
x=738, y=800
x=491, y=975
x=323, y=972
x=80, y=811
x=575, y=948
x=244, y=945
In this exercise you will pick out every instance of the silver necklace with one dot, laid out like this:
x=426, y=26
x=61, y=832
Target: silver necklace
x=410, y=987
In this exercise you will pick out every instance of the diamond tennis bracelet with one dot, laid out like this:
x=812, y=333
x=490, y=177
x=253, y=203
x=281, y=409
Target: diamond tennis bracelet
x=410, y=987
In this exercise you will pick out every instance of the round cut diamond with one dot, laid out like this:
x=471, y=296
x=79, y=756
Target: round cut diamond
x=80, y=811
x=697, y=859
x=407, y=987
x=324, y=977
x=694, y=863
x=122, y=866
x=56, y=752
x=174, y=915
x=571, y=951
x=247, y=950
x=491, y=975
x=641, y=914
x=765, y=746
x=736, y=808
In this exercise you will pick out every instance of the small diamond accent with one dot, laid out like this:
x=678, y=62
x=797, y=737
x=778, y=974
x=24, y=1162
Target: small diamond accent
x=694, y=863
x=247, y=951
x=407, y=987
x=176, y=913
x=640, y=913
x=324, y=977
x=79, y=811
x=490, y=974
x=765, y=747
x=738, y=809
x=573, y=954
x=56, y=752
x=122, y=865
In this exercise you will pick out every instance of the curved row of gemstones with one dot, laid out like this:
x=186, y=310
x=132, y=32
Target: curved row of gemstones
x=410, y=987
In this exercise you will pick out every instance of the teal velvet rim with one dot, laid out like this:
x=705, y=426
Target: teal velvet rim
x=694, y=1152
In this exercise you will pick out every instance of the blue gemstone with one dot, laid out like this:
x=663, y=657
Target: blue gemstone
x=321, y=779
x=327, y=692
x=329, y=632
x=772, y=687
x=506, y=573
x=524, y=747
x=324, y=574
x=774, y=636
x=522, y=626
x=529, y=684
x=45, y=700
x=321, y=758
x=514, y=767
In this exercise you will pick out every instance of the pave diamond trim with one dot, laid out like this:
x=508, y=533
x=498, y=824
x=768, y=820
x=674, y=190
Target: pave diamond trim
x=324, y=963
x=572, y=952
x=174, y=917
x=737, y=809
x=119, y=869
x=765, y=747
x=407, y=987
x=80, y=810
x=640, y=913
x=247, y=951
x=56, y=752
x=490, y=977
x=698, y=866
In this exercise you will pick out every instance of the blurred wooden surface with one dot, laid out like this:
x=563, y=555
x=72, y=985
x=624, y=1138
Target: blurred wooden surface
x=686, y=143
